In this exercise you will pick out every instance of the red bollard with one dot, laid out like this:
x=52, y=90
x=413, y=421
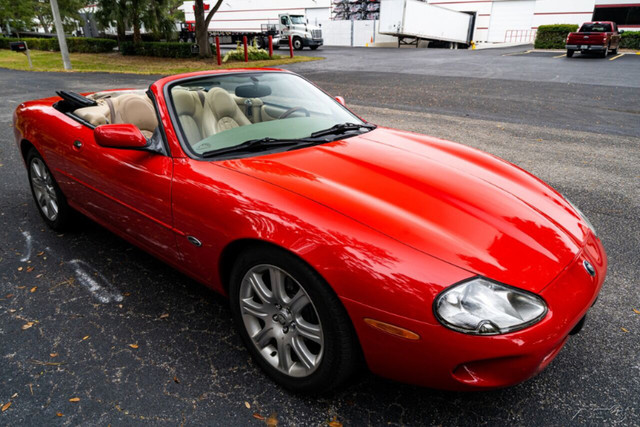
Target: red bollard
x=290, y=47
x=270, y=46
x=218, y=50
x=246, y=51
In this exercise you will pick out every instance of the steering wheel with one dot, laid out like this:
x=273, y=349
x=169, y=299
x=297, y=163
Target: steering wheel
x=290, y=111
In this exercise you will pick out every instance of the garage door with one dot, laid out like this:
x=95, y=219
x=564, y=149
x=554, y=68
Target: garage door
x=510, y=15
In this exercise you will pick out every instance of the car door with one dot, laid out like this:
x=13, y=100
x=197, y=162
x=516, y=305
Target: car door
x=128, y=191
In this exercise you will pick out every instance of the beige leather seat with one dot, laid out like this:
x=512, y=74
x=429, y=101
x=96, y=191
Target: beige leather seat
x=221, y=112
x=98, y=115
x=137, y=110
x=128, y=108
x=189, y=109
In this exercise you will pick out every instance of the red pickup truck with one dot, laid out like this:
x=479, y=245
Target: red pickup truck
x=600, y=37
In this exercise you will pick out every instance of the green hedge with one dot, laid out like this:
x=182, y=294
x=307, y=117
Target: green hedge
x=630, y=40
x=160, y=49
x=75, y=44
x=553, y=36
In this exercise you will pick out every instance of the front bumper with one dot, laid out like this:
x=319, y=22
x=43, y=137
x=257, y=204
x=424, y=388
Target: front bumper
x=446, y=359
x=586, y=47
x=312, y=42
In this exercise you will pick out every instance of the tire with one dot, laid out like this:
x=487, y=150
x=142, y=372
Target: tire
x=605, y=52
x=333, y=354
x=46, y=193
x=297, y=43
x=570, y=53
x=615, y=51
x=314, y=47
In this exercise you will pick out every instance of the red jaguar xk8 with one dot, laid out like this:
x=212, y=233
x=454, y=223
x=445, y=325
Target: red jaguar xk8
x=339, y=243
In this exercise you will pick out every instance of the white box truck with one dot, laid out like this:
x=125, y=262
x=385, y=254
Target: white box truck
x=416, y=20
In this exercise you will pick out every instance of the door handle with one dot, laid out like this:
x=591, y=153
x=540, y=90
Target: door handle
x=77, y=144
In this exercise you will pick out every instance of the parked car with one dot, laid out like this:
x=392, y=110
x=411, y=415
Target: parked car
x=597, y=37
x=339, y=243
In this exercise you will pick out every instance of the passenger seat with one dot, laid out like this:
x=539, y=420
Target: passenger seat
x=189, y=109
x=137, y=110
x=221, y=112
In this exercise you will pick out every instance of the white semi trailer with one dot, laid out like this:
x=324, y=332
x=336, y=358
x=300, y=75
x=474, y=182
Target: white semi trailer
x=412, y=21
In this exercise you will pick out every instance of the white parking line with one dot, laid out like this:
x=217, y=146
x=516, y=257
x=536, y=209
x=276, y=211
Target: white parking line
x=28, y=246
x=104, y=292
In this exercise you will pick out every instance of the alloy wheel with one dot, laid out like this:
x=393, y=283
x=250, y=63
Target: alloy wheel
x=44, y=189
x=281, y=320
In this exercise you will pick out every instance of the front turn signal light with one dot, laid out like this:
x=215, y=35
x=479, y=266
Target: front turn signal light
x=392, y=329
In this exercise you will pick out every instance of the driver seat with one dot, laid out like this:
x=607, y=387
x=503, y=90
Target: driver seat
x=221, y=112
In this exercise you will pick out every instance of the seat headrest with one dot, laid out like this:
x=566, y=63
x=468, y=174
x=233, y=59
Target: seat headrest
x=221, y=103
x=138, y=111
x=184, y=102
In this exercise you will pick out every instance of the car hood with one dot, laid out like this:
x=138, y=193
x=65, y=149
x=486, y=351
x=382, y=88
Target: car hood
x=458, y=204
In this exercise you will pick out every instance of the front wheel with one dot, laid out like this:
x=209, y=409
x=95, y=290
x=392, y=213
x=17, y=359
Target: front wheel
x=297, y=43
x=314, y=47
x=570, y=53
x=291, y=321
x=49, y=199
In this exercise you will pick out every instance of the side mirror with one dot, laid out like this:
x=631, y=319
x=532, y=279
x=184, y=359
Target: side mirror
x=340, y=100
x=621, y=32
x=123, y=135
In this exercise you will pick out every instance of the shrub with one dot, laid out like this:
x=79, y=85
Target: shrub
x=254, y=52
x=75, y=44
x=630, y=40
x=553, y=36
x=159, y=49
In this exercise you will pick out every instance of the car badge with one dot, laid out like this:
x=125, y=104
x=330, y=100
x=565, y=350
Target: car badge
x=587, y=266
x=586, y=37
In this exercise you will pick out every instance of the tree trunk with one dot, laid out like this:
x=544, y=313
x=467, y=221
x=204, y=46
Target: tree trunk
x=121, y=34
x=202, y=31
x=202, y=27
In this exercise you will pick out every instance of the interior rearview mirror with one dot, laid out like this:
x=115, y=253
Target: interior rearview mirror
x=253, y=91
x=124, y=135
x=340, y=100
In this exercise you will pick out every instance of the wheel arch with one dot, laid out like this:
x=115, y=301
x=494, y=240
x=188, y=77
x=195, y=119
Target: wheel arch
x=233, y=249
x=25, y=147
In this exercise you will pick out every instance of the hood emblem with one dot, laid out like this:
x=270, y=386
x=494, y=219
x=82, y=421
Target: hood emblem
x=587, y=266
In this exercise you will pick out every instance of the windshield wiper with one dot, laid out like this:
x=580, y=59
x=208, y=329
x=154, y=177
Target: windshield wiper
x=261, y=143
x=342, y=128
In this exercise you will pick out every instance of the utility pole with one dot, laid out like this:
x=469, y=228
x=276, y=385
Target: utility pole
x=62, y=41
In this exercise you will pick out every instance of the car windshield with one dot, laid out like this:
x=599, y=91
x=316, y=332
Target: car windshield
x=298, y=19
x=222, y=112
x=596, y=28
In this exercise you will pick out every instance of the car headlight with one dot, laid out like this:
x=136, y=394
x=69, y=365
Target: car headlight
x=482, y=307
x=585, y=219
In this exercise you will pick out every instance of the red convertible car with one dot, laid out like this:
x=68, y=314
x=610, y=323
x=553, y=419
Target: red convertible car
x=339, y=243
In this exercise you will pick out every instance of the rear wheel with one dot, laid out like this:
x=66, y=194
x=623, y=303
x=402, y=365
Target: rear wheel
x=292, y=323
x=605, y=52
x=615, y=51
x=50, y=201
x=570, y=53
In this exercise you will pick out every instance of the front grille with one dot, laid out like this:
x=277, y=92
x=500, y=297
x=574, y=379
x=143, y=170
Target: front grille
x=316, y=34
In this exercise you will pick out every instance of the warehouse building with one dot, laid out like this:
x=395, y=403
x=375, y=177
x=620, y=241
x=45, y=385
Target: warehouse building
x=495, y=21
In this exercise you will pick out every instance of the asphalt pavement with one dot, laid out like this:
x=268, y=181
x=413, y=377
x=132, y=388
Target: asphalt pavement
x=156, y=347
